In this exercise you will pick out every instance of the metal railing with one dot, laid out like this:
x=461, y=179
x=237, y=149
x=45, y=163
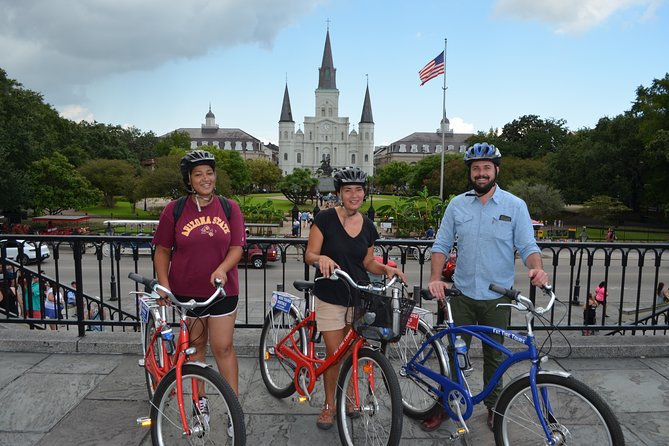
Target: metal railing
x=99, y=266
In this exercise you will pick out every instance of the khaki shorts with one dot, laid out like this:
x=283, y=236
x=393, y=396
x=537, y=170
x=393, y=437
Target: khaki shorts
x=331, y=317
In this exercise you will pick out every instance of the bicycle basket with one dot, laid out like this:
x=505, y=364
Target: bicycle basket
x=373, y=317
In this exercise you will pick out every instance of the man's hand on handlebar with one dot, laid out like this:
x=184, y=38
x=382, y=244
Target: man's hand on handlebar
x=538, y=277
x=437, y=289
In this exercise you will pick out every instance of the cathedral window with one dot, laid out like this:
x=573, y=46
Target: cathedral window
x=366, y=136
x=285, y=157
x=353, y=158
x=285, y=134
x=309, y=135
x=366, y=158
x=299, y=158
x=323, y=111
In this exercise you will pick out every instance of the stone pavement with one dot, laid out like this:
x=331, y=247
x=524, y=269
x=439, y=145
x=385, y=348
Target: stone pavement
x=58, y=389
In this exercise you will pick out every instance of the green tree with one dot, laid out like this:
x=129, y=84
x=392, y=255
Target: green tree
x=112, y=177
x=652, y=108
x=393, y=176
x=58, y=186
x=543, y=202
x=264, y=174
x=532, y=137
x=298, y=186
x=604, y=208
x=175, y=140
x=233, y=165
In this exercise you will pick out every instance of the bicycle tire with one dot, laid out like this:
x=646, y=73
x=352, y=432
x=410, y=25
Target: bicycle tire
x=417, y=403
x=379, y=420
x=278, y=374
x=578, y=417
x=166, y=425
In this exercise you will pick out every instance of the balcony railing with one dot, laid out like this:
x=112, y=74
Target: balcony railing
x=99, y=266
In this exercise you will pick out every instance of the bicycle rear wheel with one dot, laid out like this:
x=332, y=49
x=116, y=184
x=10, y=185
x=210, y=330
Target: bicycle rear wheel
x=574, y=413
x=224, y=408
x=378, y=420
x=417, y=402
x=278, y=373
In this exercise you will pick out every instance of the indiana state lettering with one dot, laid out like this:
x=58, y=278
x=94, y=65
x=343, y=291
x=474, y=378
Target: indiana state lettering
x=202, y=221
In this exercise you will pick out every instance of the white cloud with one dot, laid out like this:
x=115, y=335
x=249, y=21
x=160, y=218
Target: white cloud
x=458, y=125
x=77, y=113
x=61, y=44
x=569, y=16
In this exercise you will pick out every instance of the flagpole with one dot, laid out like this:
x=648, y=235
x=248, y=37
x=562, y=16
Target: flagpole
x=443, y=132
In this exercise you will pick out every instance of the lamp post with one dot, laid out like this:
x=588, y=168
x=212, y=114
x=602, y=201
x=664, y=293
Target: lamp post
x=371, y=213
x=577, y=284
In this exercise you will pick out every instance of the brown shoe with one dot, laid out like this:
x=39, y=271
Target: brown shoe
x=434, y=422
x=326, y=418
x=491, y=414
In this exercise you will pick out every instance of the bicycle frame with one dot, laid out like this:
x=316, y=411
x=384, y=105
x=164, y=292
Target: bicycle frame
x=182, y=352
x=287, y=348
x=457, y=387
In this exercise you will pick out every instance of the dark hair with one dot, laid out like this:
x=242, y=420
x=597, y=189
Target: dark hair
x=660, y=287
x=602, y=284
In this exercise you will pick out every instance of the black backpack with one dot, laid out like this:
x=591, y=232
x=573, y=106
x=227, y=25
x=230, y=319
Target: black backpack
x=181, y=202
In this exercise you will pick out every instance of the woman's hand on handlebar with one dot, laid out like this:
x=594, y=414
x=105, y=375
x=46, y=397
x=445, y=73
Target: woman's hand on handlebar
x=219, y=274
x=437, y=289
x=392, y=271
x=326, y=265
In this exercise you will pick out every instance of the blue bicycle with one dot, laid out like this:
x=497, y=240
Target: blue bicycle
x=538, y=408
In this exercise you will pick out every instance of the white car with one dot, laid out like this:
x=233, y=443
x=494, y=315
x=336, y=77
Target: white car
x=29, y=253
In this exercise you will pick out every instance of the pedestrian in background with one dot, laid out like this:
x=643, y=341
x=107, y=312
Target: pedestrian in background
x=589, y=314
x=602, y=295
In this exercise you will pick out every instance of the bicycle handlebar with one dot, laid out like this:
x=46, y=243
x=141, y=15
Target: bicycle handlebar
x=338, y=273
x=152, y=286
x=524, y=303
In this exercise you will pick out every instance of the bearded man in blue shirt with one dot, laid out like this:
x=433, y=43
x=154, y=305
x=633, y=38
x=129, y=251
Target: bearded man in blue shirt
x=489, y=224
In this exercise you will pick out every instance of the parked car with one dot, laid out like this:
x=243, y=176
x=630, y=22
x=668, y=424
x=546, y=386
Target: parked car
x=258, y=254
x=29, y=253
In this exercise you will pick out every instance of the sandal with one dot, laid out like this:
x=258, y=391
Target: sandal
x=326, y=418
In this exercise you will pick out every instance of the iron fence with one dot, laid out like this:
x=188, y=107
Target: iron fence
x=98, y=266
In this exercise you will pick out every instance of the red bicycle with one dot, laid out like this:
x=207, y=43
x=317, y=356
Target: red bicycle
x=368, y=397
x=191, y=403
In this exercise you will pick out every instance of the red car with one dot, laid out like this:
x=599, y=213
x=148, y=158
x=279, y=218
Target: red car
x=258, y=254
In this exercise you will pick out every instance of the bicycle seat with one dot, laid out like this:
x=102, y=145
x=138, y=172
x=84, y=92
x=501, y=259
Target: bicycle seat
x=303, y=285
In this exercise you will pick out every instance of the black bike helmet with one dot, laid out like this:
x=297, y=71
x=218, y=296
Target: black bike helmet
x=482, y=151
x=192, y=159
x=349, y=175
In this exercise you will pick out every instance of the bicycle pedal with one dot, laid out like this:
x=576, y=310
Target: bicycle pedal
x=140, y=362
x=301, y=399
x=144, y=421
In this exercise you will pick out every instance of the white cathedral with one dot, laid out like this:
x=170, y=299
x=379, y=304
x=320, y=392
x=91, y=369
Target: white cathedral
x=327, y=137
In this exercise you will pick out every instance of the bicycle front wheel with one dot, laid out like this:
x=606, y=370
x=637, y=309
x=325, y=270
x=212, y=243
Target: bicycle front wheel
x=574, y=413
x=206, y=426
x=417, y=401
x=278, y=373
x=378, y=419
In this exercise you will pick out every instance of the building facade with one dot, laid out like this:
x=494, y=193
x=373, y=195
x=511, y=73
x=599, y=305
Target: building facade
x=210, y=134
x=327, y=139
x=414, y=147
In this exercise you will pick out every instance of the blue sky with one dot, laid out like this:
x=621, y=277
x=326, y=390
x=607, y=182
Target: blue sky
x=158, y=64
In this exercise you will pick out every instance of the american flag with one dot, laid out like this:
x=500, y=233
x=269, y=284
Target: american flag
x=433, y=69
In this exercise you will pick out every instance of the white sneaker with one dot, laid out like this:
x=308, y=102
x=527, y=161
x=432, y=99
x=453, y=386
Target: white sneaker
x=231, y=430
x=204, y=408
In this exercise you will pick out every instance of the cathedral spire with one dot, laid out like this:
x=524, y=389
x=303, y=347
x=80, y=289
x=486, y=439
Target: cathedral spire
x=367, y=109
x=286, y=113
x=327, y=71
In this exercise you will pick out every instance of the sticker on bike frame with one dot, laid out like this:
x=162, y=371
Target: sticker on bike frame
x=282, y=301
x=144, y=311
x=412, y=322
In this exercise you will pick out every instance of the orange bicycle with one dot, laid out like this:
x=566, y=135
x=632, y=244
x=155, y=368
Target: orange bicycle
x=191, y=403
x=368, y=397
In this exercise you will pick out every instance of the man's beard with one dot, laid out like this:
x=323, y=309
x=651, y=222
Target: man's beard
x=482, y=190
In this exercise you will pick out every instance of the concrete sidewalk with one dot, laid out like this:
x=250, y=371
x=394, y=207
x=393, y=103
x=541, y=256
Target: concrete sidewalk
x=58, y=389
